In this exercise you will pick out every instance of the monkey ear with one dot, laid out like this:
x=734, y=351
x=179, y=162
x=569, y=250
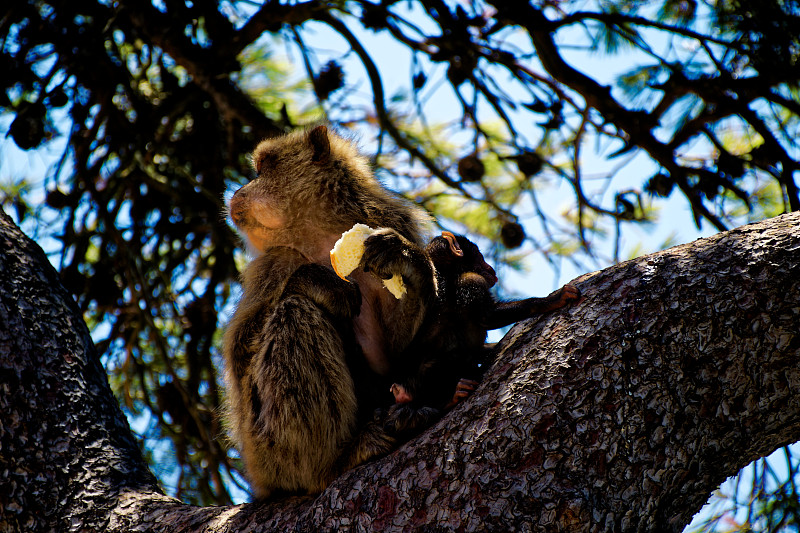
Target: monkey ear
x=263, y=156
x=453, y=242
x=320, y=144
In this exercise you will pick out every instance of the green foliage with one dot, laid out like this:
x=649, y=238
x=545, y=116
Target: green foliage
x=12, y=198
x=766, y=32
x=681, y=12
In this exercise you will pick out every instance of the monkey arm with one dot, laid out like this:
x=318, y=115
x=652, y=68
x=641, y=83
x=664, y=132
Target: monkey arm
x=263, y=281
x=506, y=313
x=325, y=289
x=387, y=253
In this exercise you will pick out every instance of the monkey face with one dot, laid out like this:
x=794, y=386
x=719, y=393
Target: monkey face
x=308, y=184
x=486, y=271
x=261, y=208
x=458, y=255
x=473, y=261
x=256, y=216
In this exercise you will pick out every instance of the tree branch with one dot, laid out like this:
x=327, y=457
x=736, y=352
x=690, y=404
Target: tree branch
x=620, y=413
x=380, y=102
x=234, y=105
x=67, y=450
x=270, y=17
x=622, y=19
x=636, y=124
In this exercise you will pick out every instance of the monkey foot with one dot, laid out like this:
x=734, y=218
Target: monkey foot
x=464, y=388
x=401, y=395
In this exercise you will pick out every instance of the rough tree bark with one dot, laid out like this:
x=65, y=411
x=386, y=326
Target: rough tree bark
x=621, y=413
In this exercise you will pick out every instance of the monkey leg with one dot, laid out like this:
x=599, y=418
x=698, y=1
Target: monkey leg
x=371, y=441
x=406, y=420
x=298, y=407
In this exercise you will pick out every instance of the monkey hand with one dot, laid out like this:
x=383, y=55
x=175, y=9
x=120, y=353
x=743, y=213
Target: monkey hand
x=390, y=256
x=405, y=420
x=566, y=294
x=464, y=388
x=348, y=253
x=384, y=253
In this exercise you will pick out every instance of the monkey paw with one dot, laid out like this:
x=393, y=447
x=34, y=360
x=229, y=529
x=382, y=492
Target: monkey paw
x=568, y=293
x=385, y=252
x=405, y=420
x=464, y=388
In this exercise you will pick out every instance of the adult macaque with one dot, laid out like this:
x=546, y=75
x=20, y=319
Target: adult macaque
x=308, y=354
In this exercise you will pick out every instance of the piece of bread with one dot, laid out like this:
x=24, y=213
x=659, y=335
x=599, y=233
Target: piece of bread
x=347, y=252
x=346, y=255
x=396, y=286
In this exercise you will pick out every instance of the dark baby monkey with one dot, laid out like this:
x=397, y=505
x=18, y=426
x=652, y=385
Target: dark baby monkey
x=305, y=351
x=448, y=353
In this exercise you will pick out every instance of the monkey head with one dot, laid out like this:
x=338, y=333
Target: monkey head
x=453, y=255
x=308, y=183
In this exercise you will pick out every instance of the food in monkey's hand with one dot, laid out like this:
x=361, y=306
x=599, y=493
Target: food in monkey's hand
x=346, y=253
x=346, y=256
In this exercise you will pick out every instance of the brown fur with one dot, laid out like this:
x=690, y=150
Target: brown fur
x=305, y=350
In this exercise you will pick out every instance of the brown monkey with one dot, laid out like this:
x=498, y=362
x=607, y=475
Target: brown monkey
x=448, y=353
x=307, y=354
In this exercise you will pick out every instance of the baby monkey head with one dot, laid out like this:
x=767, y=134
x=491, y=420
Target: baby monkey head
x=454, y=255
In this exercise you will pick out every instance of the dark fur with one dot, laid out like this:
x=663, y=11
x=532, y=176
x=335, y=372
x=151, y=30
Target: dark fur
x=448, y=354
x=301, y=391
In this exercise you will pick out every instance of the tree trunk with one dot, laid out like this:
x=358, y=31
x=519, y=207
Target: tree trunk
x=620, y=413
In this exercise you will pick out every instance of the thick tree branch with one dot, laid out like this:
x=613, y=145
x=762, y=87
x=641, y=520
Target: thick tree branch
x=66, y=451
x=620, y=413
